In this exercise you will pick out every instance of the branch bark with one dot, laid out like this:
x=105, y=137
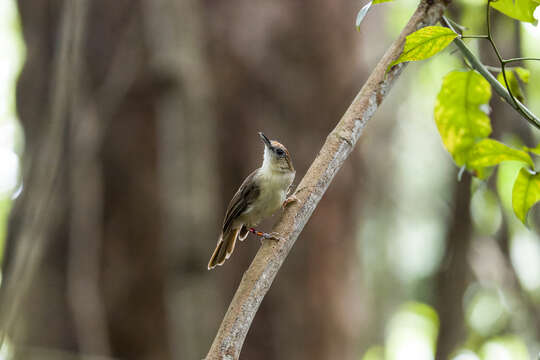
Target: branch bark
x=340, y=142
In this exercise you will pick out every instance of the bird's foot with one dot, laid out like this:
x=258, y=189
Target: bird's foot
x=272, y=236
x=266, y=236
x=289, y=200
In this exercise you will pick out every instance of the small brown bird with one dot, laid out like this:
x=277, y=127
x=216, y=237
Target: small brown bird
x=259, y=196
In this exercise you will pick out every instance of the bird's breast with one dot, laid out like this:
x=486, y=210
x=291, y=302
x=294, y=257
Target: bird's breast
x=273, y=191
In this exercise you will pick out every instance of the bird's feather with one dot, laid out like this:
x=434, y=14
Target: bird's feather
x=224, y=248
x=245, y=196
x=243, y=233
x=248, y=192
x=213, y=260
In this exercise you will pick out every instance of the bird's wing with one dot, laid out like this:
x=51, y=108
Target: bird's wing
x=245, y=196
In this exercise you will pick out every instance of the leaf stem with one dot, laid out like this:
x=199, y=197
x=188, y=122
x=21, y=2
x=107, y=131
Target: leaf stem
x=460, y=27
x=498, y=69
x=518, y=105
x=489, y=36
x=520, y=59
x=501, y=60
x=531, y=171
x=474, y=37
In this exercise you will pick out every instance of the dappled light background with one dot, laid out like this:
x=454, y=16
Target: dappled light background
x=126, y=127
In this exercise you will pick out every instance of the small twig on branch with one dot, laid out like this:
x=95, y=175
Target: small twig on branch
x=507, y=61
x=339, y=144
x=501, y=60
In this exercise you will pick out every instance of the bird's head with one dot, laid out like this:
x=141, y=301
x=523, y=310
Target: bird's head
x=276, y=156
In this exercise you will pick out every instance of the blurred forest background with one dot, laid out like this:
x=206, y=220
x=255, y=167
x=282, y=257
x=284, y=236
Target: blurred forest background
x=126, y=126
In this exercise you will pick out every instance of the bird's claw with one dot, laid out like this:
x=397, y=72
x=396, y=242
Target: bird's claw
x=266, y=236
x=289, y=200
x=271, y=236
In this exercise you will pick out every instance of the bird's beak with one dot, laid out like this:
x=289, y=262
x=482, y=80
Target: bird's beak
x=265, y=140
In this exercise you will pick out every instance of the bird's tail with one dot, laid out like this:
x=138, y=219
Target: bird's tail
x=224, y=248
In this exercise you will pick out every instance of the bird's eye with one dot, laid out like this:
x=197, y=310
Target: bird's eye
x=280, y=152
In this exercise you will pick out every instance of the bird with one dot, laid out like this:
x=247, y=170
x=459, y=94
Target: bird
x=261, y=194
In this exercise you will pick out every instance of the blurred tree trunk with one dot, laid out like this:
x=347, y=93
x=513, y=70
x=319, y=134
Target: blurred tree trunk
x=453, y=276
x=87, y=90
x=285, y=69
x=188, y=172
x=154, y=138
x=454, y=273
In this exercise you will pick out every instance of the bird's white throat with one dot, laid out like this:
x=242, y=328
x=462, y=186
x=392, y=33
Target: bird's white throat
x=272, y=175
x=267, y=160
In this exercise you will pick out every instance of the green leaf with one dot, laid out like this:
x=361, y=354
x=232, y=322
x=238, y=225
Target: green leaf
x=518, y=9
x=523, y=74
x=425, y=43
x=525, y=194
x=458, y=115
x=535, y=150
x=512, y=83
x=482, y=173
x=364, y=10
x=507, y=173
x=489, y=152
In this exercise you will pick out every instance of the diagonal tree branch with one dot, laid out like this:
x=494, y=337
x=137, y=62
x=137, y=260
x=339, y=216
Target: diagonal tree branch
x=340, y=142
